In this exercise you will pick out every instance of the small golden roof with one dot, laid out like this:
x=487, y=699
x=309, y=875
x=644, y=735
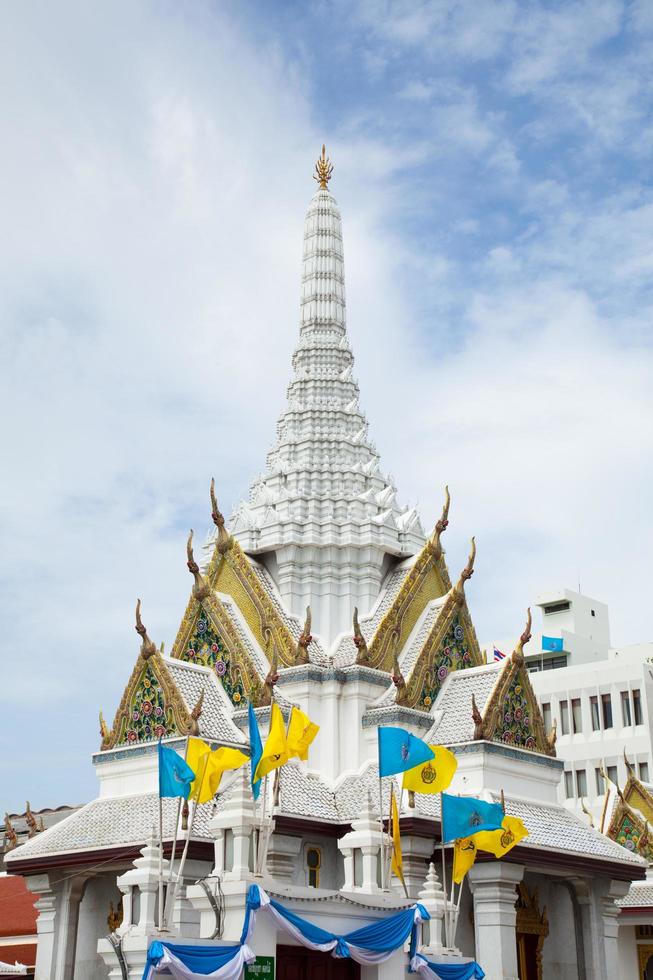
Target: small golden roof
x=323, y=170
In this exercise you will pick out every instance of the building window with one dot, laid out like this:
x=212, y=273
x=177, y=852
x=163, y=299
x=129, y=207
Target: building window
x=556, y=607
x=546, y=716
x=637, y=708
x=564, y=718
x=606, y=707
x=313, y=865
x=600, y=788
x=554, y=663
x=625, y=708
x=643, y=772
x=569, y=785
x=594, y=710
x=581, y=782
x=612, y=774
x=576, y=716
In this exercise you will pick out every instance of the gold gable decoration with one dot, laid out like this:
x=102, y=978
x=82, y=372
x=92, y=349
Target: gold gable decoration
x=151, y=706
x=450, y=645
x=427, y=579
x=230, y=572
x=512, y=714
x=629, y=825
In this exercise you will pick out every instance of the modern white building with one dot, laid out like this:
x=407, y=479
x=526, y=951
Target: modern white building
x=389, y=640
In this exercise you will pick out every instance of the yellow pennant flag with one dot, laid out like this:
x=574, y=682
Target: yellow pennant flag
x=275, y=750
x=397, y=865
x=301, y=732
x=433, y=776
x=209, y=766
x=464, y=855
x=499, y=842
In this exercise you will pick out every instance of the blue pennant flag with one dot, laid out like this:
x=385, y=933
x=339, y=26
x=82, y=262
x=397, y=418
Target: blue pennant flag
x=463, y=816
x=554, y=643
x=256, y=748
x=399, y=751
x=175, y=775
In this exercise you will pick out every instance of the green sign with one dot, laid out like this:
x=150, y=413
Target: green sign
x=262, y=967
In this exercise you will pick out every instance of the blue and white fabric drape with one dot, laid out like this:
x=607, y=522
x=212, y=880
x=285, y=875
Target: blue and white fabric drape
x=445, y=971
x=370, y=944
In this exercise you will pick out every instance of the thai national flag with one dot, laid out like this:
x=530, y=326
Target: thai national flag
x=498, y=655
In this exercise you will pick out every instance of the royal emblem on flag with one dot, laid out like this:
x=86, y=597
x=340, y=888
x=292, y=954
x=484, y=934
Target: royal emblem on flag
x=428, y=774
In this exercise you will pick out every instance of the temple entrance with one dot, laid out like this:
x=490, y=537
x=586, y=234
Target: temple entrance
x=532, y=930
x=645, y=956
x=297, y=963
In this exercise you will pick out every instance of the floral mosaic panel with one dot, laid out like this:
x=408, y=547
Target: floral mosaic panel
x=453, y=654
x=515, y=723
x=148, y=717
x=629, y=836
x=205, y=647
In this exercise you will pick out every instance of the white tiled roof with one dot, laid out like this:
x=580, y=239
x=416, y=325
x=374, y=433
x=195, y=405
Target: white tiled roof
x=113, y=822
x=640, y=895
x=346, y=652
x=216, y=719
x=452, y=711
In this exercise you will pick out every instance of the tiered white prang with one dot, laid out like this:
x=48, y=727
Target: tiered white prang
x=323, y=518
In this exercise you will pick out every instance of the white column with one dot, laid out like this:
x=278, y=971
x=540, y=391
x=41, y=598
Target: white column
x=495, y=917
x=46, y=907
x=610, y=911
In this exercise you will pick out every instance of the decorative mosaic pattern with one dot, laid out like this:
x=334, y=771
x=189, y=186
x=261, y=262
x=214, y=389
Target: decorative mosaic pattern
x=206, y=648
x=514, y=725
x=148, y=716
x=453, y=655
x=630, y=835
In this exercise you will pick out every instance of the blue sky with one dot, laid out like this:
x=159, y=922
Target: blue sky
x=493, y=166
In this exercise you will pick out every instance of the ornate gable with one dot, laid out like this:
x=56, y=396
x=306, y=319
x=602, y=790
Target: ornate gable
x=630, y=830
x=637, y=796
x=208, y=637
x=151, y=706
x=230, y=572
x=451, y=645
x=428, y=579
x=512, y=714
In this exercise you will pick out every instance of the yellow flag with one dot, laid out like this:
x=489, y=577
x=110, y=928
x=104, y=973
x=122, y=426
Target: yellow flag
x=433, y=776
x=464, y=855
x=397, y=865
x=499, y=842
x=209, y=766
x=301, y=732
x=275, y=750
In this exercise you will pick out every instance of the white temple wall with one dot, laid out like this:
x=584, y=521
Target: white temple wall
x=559, y=954
x=628, y=958
x=92, y=922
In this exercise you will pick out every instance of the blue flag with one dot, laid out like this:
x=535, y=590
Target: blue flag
x=175, y=775
x=256, y=748
x=552, y=643
x=399, y=751
x=463, y=816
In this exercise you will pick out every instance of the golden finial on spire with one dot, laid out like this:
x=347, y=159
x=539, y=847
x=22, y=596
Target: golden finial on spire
x=323, y=170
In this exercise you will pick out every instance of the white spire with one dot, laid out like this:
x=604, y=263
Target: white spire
x=323, y=512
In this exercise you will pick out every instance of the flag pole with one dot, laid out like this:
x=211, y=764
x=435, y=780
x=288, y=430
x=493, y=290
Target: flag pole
x=444, y=872
x=160, y=861
x=383, y=858
x=182, y=863
x=174, y=841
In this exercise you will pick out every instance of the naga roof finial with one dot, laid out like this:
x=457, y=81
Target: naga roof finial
x=201, y=589
x=466, y=573
x=225, y=540
x=305, y=638
x=273, y=673
x=518, y=652
x=323, y=170
x=147, y=647
x=441, y=525
x=552, y=735
x=193, y=726
x=11, y=840
x=477, y=718
x=397, y=677
x=588, y=813
x=104, y=731
x=359, y=641
x=629, y=766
